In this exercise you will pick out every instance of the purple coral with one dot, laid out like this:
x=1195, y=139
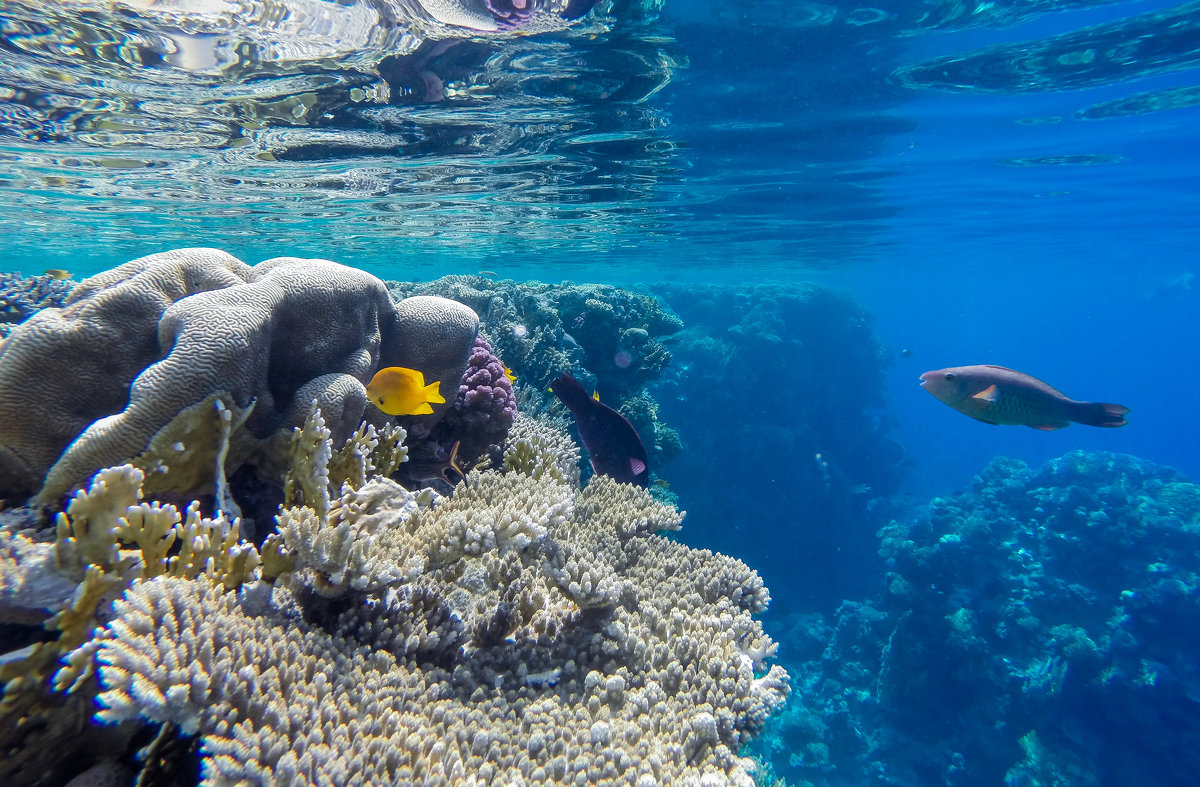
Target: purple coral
x=485, y=399
x=481, y=414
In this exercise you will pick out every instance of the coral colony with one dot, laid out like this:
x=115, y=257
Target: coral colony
x=202, y=511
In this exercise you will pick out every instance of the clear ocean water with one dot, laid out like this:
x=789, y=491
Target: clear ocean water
x=1011, y=183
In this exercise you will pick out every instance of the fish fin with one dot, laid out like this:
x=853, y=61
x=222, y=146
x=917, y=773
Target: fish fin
x=422, y=409
x=989, y=394
x=1098, y=414
x=596, y=395
x=1050, y=427
x=452, y=464
x=1050, y=388
x=984, y=420
x=637, y=465
x=433, y=395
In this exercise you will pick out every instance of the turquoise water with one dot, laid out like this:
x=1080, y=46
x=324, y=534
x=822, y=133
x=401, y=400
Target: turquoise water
x=1008, y=183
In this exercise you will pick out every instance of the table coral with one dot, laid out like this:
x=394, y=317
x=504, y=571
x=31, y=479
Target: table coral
x=540, y=633
x=89, y=385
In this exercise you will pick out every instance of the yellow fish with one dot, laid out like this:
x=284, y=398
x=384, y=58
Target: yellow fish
x=510, y=374
x=400, y=391
x=57, y=274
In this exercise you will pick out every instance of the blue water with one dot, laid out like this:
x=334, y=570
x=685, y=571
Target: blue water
x=994, y=183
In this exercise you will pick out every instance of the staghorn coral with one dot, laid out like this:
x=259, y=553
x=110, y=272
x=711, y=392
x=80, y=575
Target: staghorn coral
x=105, y=540
x=89, y=385
x=548, y=635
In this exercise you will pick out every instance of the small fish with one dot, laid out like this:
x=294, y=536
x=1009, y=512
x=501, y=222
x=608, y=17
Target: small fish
x=489, y=274
x=422, y=468
x=568, y=341
x=906, y=353
x=400, y=391
x=612, y=443
x=510, y=374
x=859, y=489
x=595, y=395
x=996, y=395
x=58, y=274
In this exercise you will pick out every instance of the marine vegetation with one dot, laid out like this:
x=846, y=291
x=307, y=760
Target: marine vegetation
x=523, y=628
x=1025, y=625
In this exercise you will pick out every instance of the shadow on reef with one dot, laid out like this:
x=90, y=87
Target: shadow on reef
x=1036, y=630
x=787, y=461
x=758, y=406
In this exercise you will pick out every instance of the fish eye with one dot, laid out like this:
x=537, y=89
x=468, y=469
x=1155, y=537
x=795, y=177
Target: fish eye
x=949, y=375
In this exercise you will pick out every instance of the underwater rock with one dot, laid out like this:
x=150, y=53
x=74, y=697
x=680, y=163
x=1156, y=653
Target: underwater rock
x=90, y=384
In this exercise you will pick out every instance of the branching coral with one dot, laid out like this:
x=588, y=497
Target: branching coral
x=539, y=633
x=105, y=540
x=539, y=448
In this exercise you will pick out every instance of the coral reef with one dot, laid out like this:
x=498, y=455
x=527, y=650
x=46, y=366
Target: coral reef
x=1034, y=630
x=805, y=359
x=615, y=340
x=521, y=629
x=104, y=541
x=136, y=352
x=477, y=419
x=21, y=296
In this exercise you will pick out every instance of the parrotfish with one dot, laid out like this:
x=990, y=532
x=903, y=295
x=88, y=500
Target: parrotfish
x=997, y=395
x=612, y=443
x=400, y=391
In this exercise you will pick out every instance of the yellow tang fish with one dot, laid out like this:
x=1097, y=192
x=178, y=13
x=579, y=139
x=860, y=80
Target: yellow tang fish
x=510, y=374
x=400, y=391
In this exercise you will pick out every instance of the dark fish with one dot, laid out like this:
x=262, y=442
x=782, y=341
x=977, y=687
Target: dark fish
x=611, y=441
x=996, y=395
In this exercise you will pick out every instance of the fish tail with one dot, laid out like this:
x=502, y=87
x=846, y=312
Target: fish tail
x=432, y=394
x=1098, y=414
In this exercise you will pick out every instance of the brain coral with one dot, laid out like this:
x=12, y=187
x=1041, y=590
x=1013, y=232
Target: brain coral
x=537, y=633
x=89, y=385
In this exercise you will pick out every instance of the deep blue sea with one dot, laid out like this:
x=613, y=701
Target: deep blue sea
x=1013, y=183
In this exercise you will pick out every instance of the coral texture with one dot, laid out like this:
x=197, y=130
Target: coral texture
x=478, y=418
x=105, y=540
x=521, y=630
x=20, y=297
x=613, y=339
x=89, y=385
x=1035, y=630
